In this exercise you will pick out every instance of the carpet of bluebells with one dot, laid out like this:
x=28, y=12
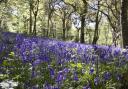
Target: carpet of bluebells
x=43, y=63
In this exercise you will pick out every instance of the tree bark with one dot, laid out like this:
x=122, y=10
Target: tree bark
x=64, y=27
x=30, y=17
x=82, y=29
x=35, y=17
x=124, y=22
x=34, y=27
x=96, y=33
x=48, y=27
x=49, y=18
x=77, y=36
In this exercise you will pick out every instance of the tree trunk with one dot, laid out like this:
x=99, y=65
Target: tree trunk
x=96, y=33
x=124, y=22
x=49, y=17
x=0, y=23
x=48, y=27
x=82, y=29
x=0, y=34
x=64, y=27
x=34, y=28
x=35, y=13
x=30, y=18
x=77, y=36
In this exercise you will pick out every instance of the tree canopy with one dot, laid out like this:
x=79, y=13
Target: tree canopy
x=85, y=21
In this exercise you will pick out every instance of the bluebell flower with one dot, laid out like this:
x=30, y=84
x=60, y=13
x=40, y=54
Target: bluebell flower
x=107, y=75
x=37, y=62
x=59, y=76
x=96, y=81
x=118, y=76
x=91, y=70
x=117, y=51
x=66, y=70
x=95, y=47
x=52, y=73
x=76, y=77
x=87, y=86
x=47, y=86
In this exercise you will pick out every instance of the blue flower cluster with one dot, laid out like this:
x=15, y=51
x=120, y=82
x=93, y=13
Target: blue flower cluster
x=59, y=56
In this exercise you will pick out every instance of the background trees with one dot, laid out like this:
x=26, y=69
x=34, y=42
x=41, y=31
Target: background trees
x=92, y=21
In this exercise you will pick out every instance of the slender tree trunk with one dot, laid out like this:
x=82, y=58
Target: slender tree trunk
x=124, y=21
x=48, y=27
x=25, y=24
x=35, y=13
x=96, y=33
x=30, y=18
x=55, y=30
x=0, y=34
x=0, y=23
x=77, y=36
x=82, y=29
x=64, y=27
x=34, y=27
x=82, y=40
x=49, y=17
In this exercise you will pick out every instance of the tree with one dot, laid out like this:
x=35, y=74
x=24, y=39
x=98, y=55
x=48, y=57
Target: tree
x=82, y=17
x=97, y=21
x=64, y=12
x=30, y=17
x=111, y=10
x=80, y=6
x=35, y=13
x=124, y=21
x=49, y=9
